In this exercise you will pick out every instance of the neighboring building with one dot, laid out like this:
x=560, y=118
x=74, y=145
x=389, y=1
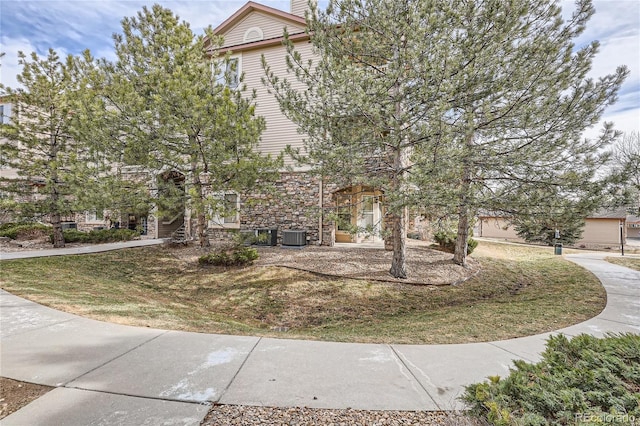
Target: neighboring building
x=633, y=226
x=603, y=228
x=325, y=212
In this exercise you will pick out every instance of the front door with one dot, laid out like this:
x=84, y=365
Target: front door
x=359, y=215
x=369, y=219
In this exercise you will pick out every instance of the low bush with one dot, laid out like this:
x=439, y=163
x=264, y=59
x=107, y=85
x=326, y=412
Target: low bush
x=97, y=236
x=238, y=256
x=447, y=241
x=581, y=381
x=24, y=230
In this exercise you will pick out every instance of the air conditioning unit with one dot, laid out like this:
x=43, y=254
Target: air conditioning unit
x=267, y=237
x=295, y=238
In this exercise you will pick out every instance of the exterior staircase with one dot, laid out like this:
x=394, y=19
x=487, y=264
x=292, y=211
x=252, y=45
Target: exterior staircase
x=179, y=236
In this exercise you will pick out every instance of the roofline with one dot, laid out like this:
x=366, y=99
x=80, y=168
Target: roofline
x=263, y=43
x=253, y=6
x=592, y=216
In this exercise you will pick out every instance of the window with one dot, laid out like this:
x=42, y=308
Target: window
x=227, y=214
x=228, y=72
x=95, y=216
x=344, y=212
x=231, y=208
x=5, y=113
x=253, y=34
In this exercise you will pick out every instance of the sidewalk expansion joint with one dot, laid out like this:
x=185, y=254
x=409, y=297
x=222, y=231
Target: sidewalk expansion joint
x=115, y=358
x=609, y=293
x=617, y=322
x=153, y=398
x=39, y=328
x=226, y=388
x=404, y=364
x=518, y=356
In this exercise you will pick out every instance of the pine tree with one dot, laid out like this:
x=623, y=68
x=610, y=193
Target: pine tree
x=450, y=104
x=626, y=162
x=170, y=111
x=54, y=164
x=366, y=101
x=520, y=100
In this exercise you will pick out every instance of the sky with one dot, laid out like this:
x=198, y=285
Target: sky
x=70, y=27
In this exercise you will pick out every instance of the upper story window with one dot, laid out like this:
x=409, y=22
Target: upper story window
x=228, y=72
x=5, y=113
x=253, y=34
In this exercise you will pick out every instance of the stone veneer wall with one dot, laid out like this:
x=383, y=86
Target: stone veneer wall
x=292, y=204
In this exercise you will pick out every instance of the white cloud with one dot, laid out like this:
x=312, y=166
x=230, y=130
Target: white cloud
x=10, y=69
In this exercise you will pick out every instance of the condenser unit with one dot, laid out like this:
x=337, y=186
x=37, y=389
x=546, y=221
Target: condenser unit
x=267, y=237
x=294, y=238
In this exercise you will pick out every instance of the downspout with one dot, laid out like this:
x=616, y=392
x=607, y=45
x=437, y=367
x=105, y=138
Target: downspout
x=321, y=216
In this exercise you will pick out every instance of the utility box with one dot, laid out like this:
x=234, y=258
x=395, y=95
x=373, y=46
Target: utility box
x=267, y=237
x=294, y=238
x=247, y=236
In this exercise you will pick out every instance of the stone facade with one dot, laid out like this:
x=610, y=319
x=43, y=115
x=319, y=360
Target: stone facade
x=293, y=203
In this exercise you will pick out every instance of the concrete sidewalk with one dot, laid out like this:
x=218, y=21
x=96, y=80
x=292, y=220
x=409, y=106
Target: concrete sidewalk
x=88, y=249
x=112, y=374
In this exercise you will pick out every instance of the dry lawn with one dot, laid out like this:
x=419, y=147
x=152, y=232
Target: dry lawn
x=519, y=291
x=627, y=262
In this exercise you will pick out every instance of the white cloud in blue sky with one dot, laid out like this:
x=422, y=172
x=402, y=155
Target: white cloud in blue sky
x=69, y=27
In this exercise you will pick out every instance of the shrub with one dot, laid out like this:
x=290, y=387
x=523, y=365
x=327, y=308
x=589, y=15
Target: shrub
x=97, y=236
x=238, y=256
x=24, y=230
x=578, y=380
x=447, y=241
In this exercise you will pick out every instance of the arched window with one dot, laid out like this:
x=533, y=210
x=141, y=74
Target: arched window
x=253, y=34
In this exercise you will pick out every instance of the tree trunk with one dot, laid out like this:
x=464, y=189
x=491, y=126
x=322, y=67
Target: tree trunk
x=201, y=224
x=58, y=236
x=398, y=186
x=460, y=253
x=398, y=264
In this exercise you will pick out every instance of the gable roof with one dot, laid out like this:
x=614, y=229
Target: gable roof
x=250, y=7
x=619, y=213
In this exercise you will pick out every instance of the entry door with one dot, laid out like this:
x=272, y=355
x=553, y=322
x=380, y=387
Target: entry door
x=369, y=217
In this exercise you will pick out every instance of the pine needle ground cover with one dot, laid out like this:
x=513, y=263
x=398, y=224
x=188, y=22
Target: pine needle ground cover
x=520, y=291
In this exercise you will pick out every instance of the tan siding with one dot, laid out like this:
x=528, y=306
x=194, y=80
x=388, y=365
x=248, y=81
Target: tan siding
x=280, y=131
x=601, y=231
x=271, y=27
x=596, y=231
x=299, y=7
x=498, y=228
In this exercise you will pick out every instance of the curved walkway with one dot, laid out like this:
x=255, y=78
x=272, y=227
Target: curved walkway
x=112, y=374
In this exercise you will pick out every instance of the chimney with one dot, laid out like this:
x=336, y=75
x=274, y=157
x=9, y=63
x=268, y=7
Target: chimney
x=299, y=7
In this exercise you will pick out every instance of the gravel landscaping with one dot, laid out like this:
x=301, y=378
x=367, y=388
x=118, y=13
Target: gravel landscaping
x=228, y=415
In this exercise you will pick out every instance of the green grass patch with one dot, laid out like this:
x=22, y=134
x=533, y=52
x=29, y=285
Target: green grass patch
x=520, y=291
x=627, y=262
